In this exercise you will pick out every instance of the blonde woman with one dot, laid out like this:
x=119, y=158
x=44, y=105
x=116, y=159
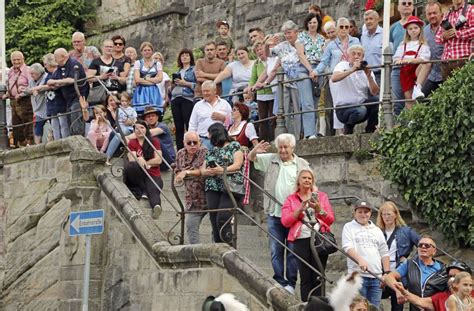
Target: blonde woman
x=400, y=241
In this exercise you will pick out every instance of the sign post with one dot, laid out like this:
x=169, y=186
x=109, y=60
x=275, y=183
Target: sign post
x=86, y=223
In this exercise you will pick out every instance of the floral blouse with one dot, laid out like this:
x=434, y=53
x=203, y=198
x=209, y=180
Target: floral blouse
x=312, y=48
x=194, y=198
x=223, y=155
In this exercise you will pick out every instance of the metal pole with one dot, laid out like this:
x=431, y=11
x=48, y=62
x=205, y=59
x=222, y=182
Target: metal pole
x=87, y=268
x=387, y=94
x=280, y=122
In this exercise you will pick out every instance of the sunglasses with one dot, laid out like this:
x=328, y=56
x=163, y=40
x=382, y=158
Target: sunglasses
x=425, y=245
x=192, y=143
x=407, y=3
x=344, y=27
x=118, y=43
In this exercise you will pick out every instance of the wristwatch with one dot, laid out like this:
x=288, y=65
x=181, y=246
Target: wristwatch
x=386, y=272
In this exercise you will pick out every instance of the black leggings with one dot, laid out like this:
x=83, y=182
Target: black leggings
x=181, y=109
x=139, y=183
x=220, y=200
x=309, y=278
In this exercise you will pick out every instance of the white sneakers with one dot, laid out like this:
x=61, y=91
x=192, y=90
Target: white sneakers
x=417, y=93
x=289, y=289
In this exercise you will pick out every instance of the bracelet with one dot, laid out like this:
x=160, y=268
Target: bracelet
x=84, y=109
x=386, y=272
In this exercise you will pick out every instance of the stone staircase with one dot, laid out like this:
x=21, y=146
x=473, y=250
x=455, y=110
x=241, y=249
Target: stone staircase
x=252, y=242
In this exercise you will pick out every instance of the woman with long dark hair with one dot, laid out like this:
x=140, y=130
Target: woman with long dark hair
x=183, y=83
x=225, y=151
x=144, y=157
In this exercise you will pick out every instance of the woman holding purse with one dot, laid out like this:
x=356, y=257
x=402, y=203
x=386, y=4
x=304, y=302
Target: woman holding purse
x=308, y=204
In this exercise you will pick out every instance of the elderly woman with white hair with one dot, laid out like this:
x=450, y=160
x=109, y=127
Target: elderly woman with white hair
x=291, y=54
x=280, y=171
x=337, y=51
x=36, y=89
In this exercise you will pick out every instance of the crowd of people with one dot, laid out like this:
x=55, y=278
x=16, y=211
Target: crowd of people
x=112, y=94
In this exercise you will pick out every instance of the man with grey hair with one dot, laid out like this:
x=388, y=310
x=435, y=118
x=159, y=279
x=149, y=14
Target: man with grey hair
x=20, y=103
x=188, y=163
x=350, y=85
x=371, y=40
x=207, y=111
x=80, y=52
x=63, y=79
x=281, y=171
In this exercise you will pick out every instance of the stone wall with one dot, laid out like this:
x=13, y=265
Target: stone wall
x=131, y=265
x=176, y=24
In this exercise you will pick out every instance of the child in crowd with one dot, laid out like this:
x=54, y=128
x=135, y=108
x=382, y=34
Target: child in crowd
x=127, y=116
x=359, y=304
x=223, y=29
x=165, y=84
x=461, y=299
x=250, y=102
x=100, y=129
x=410, y=53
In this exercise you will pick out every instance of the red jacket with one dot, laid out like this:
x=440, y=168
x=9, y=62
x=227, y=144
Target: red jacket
x=293, y=202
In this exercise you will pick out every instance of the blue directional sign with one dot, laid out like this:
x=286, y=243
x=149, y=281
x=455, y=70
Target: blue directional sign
x=86, y=222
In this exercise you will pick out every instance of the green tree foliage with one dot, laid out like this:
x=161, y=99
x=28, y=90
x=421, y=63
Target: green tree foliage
x=431, y=158
x=37, y=27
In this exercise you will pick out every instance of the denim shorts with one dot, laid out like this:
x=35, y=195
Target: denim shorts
x=39, y=126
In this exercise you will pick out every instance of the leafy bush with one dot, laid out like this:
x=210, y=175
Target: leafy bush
x=38, y=27
x=431, y=158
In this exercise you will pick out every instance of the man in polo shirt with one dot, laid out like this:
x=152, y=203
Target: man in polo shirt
x=424, y=275
x=434, y=17
x=63, y=78
x=437, y=302
x=207, y=68
x=281, y=171
x=209, y=110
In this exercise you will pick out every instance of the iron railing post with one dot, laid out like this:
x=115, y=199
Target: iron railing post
x=280, y=122
x=387, y=93
x=4, y=143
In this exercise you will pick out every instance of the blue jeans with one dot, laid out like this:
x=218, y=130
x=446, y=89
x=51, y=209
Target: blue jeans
x=371, y=290
x=278, y=252
x=397, y=92
x=306, y=102
x=206, y=142
x=351, y=116
x=115, y=142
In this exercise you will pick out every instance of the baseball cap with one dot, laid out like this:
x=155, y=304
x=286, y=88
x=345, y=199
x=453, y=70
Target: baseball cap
x=362, y=203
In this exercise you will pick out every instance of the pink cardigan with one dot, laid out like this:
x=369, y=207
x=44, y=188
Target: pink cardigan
x=293, y=202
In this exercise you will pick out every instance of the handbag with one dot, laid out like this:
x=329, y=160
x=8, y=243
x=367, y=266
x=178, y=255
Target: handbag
x=97, y=95
x=235, y=187
x=324, y=247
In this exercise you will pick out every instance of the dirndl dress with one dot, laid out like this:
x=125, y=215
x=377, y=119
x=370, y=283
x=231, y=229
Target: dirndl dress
x=147, y=95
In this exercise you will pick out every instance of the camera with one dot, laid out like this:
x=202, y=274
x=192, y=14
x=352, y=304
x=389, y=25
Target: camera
x=363, y=65
x=446, y=25
x=314, y=197
x=212, y=164
x=461, y=21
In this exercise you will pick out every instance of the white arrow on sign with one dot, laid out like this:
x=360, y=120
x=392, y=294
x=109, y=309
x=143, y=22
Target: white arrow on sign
x=78, y=223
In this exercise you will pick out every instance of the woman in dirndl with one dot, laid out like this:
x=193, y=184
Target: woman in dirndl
x=148, y=73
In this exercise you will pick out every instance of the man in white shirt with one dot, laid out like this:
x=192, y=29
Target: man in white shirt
x=351, y=84
x=365, y=242
x=207, y=111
